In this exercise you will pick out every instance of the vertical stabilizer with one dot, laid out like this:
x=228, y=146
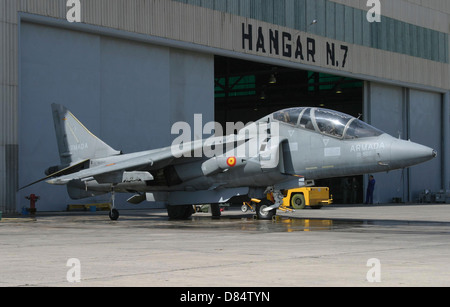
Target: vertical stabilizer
x=75, y=141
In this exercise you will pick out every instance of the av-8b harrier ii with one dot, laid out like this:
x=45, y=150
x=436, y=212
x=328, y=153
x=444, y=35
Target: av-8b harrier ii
x=275, y=153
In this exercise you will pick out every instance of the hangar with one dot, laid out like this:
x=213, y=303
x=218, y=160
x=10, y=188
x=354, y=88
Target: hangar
x=129, y=69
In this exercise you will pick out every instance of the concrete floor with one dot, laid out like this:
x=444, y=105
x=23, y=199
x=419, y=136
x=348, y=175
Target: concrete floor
x=328, y=247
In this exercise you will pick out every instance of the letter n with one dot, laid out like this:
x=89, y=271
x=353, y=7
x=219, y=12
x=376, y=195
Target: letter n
x=331, y=55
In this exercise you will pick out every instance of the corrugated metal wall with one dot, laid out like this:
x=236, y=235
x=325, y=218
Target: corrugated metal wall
x=8, y=105
x=431, y=14
x=341, y=22
x=415, y=50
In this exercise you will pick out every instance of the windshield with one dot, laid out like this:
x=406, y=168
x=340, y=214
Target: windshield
x=359, y=129
x=328, y=122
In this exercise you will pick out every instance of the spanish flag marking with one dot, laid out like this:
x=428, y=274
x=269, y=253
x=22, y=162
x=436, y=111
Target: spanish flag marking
x=231, y=161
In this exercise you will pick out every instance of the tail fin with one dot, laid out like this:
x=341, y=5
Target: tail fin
x=75, y=141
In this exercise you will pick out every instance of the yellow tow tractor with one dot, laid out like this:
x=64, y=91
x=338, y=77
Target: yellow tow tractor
x=314, y=197
x=295, y=199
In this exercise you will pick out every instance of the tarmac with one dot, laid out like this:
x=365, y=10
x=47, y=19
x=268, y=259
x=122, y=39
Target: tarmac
x=390, y=245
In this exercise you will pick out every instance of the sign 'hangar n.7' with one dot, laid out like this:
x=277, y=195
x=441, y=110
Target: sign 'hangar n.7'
x=301, y=47
x=294, y=47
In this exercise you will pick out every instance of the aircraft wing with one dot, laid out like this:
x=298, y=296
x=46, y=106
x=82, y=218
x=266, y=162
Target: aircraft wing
x=119, y=169
x=110, y=170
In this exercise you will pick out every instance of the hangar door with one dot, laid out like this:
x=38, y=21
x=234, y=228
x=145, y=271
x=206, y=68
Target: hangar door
x=408, y=114
x=128, y=93
x=246, y=91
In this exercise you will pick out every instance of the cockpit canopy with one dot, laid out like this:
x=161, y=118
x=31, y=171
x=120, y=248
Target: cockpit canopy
x=328, y=122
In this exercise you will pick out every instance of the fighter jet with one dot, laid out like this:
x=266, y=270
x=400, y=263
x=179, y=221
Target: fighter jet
x=278, y=152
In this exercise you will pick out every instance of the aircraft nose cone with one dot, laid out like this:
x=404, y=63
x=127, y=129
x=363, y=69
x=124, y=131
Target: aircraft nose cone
x=434, y=153
x=406, y=153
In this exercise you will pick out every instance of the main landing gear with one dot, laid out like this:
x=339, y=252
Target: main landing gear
x=265, y=209
x=182, y=212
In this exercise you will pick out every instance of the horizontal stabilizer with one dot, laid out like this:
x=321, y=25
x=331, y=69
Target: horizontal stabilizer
x=66, y=171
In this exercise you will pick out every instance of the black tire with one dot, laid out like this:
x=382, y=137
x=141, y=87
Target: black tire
x=215, y=211
x=298, y=201
x=114, y=214
x=179, y=212
x=264, y=215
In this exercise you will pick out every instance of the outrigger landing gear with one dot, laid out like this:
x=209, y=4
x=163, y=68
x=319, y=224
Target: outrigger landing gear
x=114, y=213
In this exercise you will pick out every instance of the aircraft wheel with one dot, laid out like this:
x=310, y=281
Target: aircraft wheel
x=179, y=212
x=244, y=208
x=264, y=215
x=215, y=211
x=114, y=214
x=298, y=201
